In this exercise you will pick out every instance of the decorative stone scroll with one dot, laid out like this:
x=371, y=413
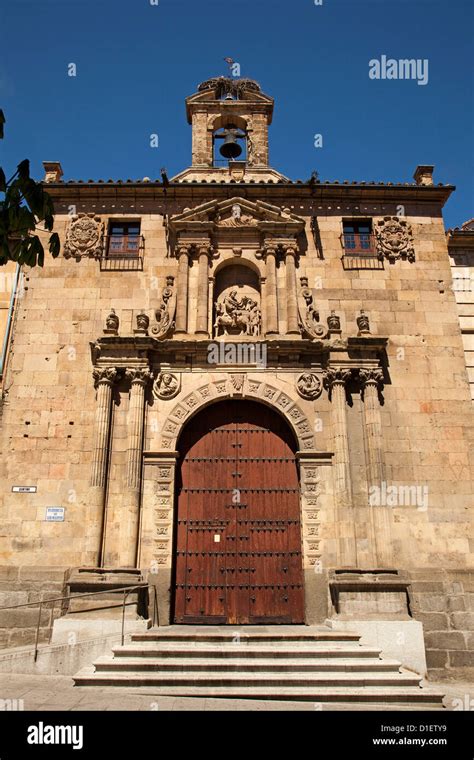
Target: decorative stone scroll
x=308, y=313
x=394, y=239
x=84, y=237
x=165, y=313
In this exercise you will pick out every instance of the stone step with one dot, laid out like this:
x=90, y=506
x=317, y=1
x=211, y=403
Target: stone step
x=375, y=695
x=231, y=651
x=249, y=679
x=244, y=665
x=319, y=635
x=280, y=663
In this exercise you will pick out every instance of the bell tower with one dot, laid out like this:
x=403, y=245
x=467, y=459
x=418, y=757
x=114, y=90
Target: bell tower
x=229, y=119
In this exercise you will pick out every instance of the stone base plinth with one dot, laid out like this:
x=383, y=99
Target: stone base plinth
x=398, y=639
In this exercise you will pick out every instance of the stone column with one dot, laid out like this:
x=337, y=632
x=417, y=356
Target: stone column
x=139, y=378
x=182, y=288
x=271, y=302
x=371, y=379
x=291, y=298
x=202, y=326
x=335, y=380
x=104, y=379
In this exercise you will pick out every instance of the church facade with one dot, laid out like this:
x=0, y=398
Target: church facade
x=248, y=391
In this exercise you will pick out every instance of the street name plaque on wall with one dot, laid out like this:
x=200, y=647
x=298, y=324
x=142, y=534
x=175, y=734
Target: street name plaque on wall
x=24, y=489
x=54, y=514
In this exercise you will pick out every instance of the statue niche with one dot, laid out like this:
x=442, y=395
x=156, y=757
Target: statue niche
x=237, y=302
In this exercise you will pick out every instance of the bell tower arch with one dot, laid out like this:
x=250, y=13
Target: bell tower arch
x=228, y=103
x=229, y=120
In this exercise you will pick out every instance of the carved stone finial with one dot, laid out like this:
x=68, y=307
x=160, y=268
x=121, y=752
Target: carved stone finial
x=363, y=323
x=143, y=321
x=112, y=323
x=334, y=322
x=309, y=386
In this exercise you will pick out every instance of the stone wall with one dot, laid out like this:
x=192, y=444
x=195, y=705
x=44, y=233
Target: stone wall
x=427, y=416
x=21, y=585
x=443, y=600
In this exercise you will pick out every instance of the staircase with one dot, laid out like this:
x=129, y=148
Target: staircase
x=287, y=663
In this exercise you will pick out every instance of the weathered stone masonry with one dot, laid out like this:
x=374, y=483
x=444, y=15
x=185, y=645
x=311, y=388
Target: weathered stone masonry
x=95, y=401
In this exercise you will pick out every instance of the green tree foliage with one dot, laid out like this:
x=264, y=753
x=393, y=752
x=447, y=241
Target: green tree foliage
x=24, y=206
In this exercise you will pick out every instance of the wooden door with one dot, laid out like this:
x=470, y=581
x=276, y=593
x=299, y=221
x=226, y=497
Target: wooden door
x=238, y=536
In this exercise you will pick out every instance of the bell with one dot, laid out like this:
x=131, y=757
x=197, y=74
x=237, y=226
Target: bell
x=230, y=147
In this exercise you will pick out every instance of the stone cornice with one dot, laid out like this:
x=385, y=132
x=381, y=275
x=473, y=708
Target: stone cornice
x=352, y=353
x=183, y=191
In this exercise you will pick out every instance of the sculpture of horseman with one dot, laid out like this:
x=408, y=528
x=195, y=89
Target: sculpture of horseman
x=238, y=316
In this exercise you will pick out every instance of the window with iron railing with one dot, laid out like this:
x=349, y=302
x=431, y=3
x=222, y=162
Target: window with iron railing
x=358, y=243
x=123, y=246
x=358, y=239
x=123, y=239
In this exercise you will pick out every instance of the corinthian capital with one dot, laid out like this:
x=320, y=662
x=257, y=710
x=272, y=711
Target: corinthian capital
x=204, y=246
x=182, y=249
x=336, y=376
x=371, y=377
x=104, y=375
x=289, y=249
x=138, y=375
x=268, y=249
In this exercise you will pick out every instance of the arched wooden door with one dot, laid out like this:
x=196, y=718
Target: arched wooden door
x=238, y=533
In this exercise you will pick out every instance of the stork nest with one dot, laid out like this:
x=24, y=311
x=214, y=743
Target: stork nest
x=226, y=86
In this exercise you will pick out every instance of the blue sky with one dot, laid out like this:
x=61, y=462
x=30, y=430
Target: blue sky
x=136, y=62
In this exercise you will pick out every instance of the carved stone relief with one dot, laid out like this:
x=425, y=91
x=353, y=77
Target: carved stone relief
x=236, y=315
x=308, y=313
x=309, y=386
x=84, y=237
x=248, y=388
x=394, y=239
x=166, y=385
